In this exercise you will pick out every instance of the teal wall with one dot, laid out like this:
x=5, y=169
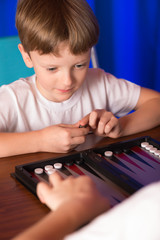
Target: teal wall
x=12, y=66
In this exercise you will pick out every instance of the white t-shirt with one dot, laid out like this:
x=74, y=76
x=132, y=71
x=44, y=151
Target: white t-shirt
x=136, y=218
x=23, y=108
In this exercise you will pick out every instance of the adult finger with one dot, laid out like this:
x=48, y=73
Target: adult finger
x=55, y=179
x=43, y=190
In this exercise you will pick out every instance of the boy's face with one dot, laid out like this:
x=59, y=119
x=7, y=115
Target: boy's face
x=58, y=77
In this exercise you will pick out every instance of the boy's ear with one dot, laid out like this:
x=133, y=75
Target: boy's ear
x=25, y=56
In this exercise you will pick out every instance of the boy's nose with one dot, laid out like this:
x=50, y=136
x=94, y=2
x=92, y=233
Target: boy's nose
x=68, y=79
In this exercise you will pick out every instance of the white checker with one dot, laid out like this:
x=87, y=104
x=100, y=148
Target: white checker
x=157, y=153
x=148, y=147
x=38, y=170
x=108, y=153
x=57, y=165
x=152, y=150
x=144, y=144
x=51, y=171
x=48, y=167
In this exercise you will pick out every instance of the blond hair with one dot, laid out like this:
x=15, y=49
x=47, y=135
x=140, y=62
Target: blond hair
x=43, y=24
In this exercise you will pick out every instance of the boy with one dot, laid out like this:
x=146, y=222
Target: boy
x=56, y=40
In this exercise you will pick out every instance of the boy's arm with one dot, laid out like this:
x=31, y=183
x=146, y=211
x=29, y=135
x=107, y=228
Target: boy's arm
x=146, y=115
x=45, y=140
x=19, y=143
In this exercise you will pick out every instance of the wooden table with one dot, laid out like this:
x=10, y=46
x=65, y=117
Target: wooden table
x=18, y=207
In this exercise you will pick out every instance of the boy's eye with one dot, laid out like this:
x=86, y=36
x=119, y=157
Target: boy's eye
x=51, y=69
x=80, y=65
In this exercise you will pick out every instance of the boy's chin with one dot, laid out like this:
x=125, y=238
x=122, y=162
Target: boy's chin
x=62, y=98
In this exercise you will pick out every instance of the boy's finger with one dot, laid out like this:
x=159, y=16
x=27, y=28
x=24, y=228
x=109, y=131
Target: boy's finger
x=83, y=122
x=68, y=125
x=93, y=119
x=78, y=132
x=77, y=141
x=111, y=125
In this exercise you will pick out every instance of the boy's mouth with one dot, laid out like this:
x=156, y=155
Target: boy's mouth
x=65, y=90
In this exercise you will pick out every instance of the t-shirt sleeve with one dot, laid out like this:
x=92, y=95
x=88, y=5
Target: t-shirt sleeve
x=7, y=112
x=122, y=95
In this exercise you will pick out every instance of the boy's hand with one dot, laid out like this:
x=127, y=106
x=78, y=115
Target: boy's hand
x=62, y=138
x=102, y=123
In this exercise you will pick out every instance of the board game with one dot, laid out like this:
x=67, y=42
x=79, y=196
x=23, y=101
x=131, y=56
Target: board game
x=118, y=169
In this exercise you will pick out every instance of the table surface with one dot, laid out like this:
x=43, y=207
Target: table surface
x=19, y=208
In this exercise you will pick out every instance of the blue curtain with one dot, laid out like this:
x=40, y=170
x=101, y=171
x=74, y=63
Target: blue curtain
x=92, y=4
x=7, y=18
x=129, y=44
